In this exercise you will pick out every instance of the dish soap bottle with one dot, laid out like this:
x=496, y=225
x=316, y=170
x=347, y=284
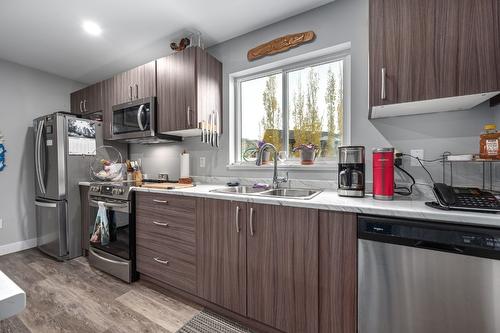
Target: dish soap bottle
x=489, y=143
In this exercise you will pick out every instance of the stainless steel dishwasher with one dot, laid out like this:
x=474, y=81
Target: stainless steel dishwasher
x=427, y=277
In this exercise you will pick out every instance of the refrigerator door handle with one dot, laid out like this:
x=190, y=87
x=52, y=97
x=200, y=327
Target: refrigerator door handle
x=45, y=204
x=38, y=158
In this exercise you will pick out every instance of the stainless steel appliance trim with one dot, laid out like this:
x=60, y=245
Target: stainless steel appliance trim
x=121, y=207
x=111, y=264
x=139, y=120
x=407, y=289
x=383, y=197
x=351, y=193
x=43, y=188
x=140, y=134
x=37, y=156
x=45, y=204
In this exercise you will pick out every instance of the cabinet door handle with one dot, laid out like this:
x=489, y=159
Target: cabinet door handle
x=383, y=94
x=85, y=105
x=158, y=260
x=81, y=106
x=160, y=224
x=237, y=219
x=136, y=91
x=130, y=93
x=251, y=222
x=188, y=111
x=161, y=201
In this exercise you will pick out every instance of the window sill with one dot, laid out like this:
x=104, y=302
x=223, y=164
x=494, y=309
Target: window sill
x=291, y=166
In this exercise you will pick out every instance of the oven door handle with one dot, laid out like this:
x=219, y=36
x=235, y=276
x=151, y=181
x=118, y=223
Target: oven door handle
x=139, y=120
x=109, y=204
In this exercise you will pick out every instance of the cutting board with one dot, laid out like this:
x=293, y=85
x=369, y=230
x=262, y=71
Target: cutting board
x=167, y=186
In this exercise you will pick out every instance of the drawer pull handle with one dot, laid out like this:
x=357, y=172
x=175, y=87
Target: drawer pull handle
x=160, y=224
x=158, y=260
x=161, y=201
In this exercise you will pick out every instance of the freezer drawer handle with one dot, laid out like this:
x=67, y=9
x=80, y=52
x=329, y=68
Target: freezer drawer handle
x=45, y=204
x=91, y=250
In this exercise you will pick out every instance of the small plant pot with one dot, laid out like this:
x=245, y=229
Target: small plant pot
x=266, y=157
x=307, y=156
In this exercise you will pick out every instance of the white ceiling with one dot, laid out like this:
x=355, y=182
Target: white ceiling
x=47, y=34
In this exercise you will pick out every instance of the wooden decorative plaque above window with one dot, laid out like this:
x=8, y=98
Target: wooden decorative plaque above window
x=280, y=44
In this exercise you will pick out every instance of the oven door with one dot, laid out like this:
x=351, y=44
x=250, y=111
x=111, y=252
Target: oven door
x=134, y=119
x=118, y=214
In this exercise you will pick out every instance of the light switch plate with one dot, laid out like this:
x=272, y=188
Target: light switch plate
x=202, y=162
x=1, y=223
x=416, y=153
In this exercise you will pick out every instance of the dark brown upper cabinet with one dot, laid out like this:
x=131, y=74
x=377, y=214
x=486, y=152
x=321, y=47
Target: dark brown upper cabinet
x=430, y=49
x=88, y=100
x=137, y=83
x=189, y=91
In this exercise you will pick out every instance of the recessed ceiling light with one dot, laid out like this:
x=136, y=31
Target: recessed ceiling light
x=92, y=28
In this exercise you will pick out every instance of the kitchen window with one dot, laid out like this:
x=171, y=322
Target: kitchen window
x=301, y=103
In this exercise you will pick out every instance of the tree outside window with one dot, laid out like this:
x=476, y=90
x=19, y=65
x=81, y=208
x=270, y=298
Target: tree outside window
x=313, y=112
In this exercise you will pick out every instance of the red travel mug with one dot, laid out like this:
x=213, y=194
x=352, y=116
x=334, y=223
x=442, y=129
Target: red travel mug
x=383, y=173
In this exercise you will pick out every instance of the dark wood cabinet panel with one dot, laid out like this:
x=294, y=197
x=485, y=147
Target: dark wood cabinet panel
x=169, y=268
x=85, y=216
x=433, y=49
x=176, y=91
x=166, y=239
x=222, y=254
x=88, y=100
x=139, y=82
x=189, y=89
x=282, y=264
x=337, y=272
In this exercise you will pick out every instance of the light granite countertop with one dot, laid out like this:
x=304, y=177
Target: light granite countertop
x=330, y=200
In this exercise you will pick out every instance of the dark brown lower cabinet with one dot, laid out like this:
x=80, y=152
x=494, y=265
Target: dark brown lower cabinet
x=282, y=264
x=222, y=254
x=85, y=216
x=337, y=272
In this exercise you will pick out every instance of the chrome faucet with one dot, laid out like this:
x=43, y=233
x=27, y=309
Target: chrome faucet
x=276, y=180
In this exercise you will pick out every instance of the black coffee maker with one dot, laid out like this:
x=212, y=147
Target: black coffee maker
x=351, y=178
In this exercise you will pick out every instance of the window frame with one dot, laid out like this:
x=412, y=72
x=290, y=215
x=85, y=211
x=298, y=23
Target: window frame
x=307, y=60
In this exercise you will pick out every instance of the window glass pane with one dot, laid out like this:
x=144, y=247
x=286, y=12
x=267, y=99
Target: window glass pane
x=316, y=108
x=261, y=114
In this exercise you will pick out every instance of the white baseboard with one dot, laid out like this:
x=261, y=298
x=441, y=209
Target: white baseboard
x=17, y=246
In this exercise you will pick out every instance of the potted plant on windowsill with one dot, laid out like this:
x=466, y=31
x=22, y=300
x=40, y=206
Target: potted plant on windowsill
x=308, y=153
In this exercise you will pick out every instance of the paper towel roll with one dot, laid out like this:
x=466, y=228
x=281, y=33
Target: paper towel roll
x=184, y=165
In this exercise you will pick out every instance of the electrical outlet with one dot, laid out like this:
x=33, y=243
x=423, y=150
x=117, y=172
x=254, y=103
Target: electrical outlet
x=202, y=162
x=416, y=153
x=1, y=223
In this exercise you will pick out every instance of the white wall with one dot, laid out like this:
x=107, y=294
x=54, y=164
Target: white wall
x=335, y=23
x=25, y=94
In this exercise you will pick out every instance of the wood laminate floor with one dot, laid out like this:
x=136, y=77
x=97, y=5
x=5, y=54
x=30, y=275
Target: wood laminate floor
x=73, y=297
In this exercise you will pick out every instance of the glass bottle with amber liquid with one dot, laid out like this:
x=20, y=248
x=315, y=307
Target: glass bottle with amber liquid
x=489, y=143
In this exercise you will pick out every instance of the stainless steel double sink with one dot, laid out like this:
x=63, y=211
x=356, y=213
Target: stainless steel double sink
x=290, y=193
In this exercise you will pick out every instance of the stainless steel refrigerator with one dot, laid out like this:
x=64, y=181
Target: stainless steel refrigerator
x=64, y=148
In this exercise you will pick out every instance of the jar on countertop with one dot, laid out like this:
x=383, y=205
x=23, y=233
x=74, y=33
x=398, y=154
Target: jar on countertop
x=490, y=143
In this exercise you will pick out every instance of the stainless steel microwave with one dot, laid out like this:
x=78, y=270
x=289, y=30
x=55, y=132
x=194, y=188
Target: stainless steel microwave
x=135, y=122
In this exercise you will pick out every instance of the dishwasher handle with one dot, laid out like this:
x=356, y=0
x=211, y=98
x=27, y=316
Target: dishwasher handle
x=438, y=246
